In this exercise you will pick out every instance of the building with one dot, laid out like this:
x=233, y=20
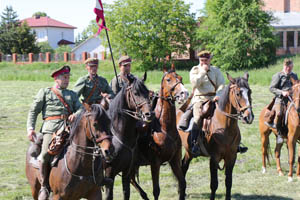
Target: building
x=52, y=31
x=93, y=45
x=286, y=24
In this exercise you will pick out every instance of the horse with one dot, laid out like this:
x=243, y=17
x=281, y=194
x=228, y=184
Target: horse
x=79, y=170
x=165, y=144
x=130, y=105
x=293, y=135
x=223, y=137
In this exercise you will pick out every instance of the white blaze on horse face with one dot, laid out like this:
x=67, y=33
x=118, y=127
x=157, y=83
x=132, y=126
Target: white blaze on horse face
x=246, y=97
x=183, y=92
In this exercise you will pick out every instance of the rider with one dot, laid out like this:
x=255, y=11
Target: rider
x=207, y=82
x=57, y=104
x=280, y=87
x=91, y=86
x=125, y=67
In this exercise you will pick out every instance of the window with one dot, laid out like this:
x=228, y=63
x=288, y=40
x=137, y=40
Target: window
x=290, y=38
x=279, y=35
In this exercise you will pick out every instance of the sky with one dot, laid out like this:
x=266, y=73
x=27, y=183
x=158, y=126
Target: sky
x=77, y=13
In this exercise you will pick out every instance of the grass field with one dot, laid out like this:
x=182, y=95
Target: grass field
x=248, y=181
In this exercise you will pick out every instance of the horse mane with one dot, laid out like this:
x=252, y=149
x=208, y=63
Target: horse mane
x=100, y=116
x=224, y=97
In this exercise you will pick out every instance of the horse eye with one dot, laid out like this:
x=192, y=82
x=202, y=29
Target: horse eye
x=168, y=80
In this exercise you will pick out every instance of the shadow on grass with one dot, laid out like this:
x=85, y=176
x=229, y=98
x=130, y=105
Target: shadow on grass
x=237, y=197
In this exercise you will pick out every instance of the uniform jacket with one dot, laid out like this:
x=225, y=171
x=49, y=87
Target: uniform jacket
x=202, y=85
x=49, y=104
x=84, y=86
x=281, y=82
x=122, y=81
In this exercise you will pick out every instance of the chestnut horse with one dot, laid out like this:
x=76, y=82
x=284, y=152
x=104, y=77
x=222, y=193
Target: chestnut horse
x=223, y=136
x=79, y=173
x=293, y=125
x=163, y=143
x=130, y=105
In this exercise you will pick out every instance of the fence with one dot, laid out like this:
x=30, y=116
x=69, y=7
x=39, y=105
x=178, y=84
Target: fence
x=48, y=57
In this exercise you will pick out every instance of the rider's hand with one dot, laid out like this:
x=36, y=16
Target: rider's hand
x=216, y=98
x=71, y=117
x=285, y=93
x=31, y=135
x=206, y=67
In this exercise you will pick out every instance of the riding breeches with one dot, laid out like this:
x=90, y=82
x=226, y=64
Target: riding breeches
x=44, y=157
x=197, y=107
x=278, y=107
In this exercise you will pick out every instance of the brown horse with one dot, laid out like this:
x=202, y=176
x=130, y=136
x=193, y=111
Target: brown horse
x=131, y=105
x=165, y=144
x=79, y=171
x=224, y=136
x=293, y=125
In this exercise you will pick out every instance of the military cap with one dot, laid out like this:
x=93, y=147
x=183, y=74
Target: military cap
x=124, y=60
x=63, y=70
x=91, y=62
x=204, y=54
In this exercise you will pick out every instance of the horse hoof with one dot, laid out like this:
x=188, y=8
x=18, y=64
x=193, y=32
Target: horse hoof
x=280, y=173
x=263, y=170
x=290, y=179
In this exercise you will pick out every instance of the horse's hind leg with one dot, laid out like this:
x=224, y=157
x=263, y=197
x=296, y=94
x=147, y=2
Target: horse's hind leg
x=213, y=178
x=140, y=190
x=277, y=156
x=177, y=171
x=186, y=162
x=265, y=142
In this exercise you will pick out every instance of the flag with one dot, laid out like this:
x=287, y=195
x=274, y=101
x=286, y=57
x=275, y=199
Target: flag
x=98, y=10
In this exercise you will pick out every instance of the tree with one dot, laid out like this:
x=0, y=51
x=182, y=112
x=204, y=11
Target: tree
x=238, y=33
x=14, y=36
x=63, y=48
x=150, y=30
x=45, y=47
x=41, y=14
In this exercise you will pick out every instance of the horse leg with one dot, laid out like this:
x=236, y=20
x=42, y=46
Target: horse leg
x=155, y=167
x=186, y=162
x=277, y=156
x=142, y=193
x=213, y=166
x=228, y=179
x=126, y=186
x=109, y=190
x=265, y=142
x=298, y=165
x=291, y=149
x=177, y=171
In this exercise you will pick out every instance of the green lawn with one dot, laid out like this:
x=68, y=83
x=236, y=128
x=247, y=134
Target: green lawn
x=248, y=181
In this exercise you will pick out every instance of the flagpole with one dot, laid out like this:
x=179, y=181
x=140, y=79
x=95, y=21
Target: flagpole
x=112, y=57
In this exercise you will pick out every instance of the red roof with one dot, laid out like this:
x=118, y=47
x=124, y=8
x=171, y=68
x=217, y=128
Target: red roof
x=46, y=22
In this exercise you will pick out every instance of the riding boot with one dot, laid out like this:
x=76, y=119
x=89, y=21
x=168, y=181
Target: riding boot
x=185, y=119
x=194, y=136
x=279, y=139
x=44, y=173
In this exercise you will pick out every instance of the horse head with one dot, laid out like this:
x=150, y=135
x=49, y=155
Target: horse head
x=240, y=97
x=172, y=87
x=137, y=98
x=97, y=125
x=296, y=94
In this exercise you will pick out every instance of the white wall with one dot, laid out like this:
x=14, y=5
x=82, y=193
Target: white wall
x=91, y=45
x=41, y=34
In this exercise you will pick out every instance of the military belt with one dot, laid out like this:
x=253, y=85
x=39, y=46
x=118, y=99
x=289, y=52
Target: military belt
x=55, y=117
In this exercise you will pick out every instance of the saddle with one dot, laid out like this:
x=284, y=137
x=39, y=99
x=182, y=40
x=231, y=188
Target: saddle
x=58, y=140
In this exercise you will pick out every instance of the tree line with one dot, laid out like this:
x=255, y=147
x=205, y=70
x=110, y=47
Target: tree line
x=238, y=33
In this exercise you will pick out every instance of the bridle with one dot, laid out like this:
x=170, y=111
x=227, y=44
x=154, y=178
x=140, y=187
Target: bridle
x=137, y=114
x=240, y=109
x=96, y=151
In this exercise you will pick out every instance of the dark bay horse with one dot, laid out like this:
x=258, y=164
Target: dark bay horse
x=130, y=105
x=293, y=124
x=224, y=134
x=80, y=172
x=165, y=144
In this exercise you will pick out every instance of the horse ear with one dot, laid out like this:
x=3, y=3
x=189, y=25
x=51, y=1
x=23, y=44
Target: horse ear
x=87, y=107
x=173, y=67
x=164, y=70
x=246, y=76
x=144, y=77
x=230, y=78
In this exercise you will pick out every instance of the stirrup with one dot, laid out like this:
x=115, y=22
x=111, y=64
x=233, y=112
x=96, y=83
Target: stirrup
x=195, y=149
x=271, y=125
x=279, y=139
x=46, y=193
